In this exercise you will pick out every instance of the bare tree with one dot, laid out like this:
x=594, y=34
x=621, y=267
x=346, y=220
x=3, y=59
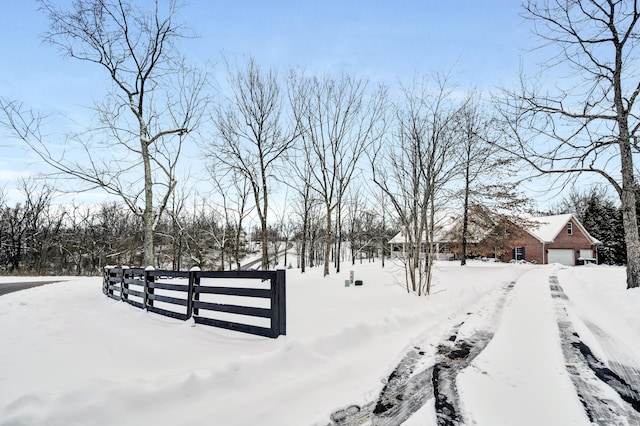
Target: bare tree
x=304, y=201
x=155, y=101
x=174, y=231
x=289, y=228
x=360, y=225
x=22, y=224
x=242, y=211
x=253, y=137
x=305, y=205
x=475, y=155
x=381, y=210
x=235, y=191
x=588, y=122
x=120, y=233
x=338, y=122
x=487, y=174
x=577, y=201
x=413, y=168
x=76, y=244
x=49, y=236
x=316, y=234
x=206, y=234
x=283, y=229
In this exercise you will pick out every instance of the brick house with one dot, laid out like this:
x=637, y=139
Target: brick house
x=554, y=239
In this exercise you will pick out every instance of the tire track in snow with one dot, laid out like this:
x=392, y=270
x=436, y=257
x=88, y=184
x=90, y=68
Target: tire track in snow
x=456, y=355
x=404, y=393
x=586, y=372
x=411, y=384
x=624, y=366
x=452, y=360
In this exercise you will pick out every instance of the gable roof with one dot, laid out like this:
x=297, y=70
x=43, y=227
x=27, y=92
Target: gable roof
x=447, y=226
x=445, y=220
x=547, y=228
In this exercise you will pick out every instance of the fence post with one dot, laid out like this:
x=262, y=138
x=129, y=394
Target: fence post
x=195, y=296
x=148, y=291
x=121, y=282
x=124, y=296
x=280, y=304
x=105, y=281
x=190, y=289
x=109, y=289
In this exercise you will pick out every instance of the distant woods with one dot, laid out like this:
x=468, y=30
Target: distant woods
x=38, y=236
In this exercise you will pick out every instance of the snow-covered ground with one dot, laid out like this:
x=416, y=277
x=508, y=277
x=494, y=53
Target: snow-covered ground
x=71, y=356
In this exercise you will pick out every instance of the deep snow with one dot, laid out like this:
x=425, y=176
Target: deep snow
x=70, y=355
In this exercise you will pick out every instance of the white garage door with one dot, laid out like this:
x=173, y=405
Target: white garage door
x=564, y=257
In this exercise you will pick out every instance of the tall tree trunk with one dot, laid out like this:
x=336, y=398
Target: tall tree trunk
x=629, y=216
x=465, y=218
x=431, y=254
x=627, y=193
x=303, y=250
x=147, y=215
x=179, y=260
x=327, y=247
x=236, y=248
x=223, y=242
x=265, y=245
x=263, y=215
x=339, y=237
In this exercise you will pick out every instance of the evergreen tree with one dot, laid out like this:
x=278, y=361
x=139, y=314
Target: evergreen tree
x=603, y=220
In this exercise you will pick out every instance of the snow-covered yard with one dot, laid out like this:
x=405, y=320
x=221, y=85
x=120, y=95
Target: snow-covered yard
x=70, y=355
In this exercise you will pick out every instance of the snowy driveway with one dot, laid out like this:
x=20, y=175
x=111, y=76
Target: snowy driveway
x=528, y=368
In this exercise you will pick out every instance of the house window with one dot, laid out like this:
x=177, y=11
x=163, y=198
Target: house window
x=570, y=228
x=586, y=254
x=517, y=253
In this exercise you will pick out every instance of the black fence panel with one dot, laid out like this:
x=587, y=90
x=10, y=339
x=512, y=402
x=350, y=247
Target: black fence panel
x=133, y=295
x=167, y=298
x=112, y=284
x=178, y=294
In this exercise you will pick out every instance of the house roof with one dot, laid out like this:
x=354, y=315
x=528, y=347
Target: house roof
x=544, y=228
x=547, y=228
x=446, y=220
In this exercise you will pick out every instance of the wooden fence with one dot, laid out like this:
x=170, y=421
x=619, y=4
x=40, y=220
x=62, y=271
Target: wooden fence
x=246, y=301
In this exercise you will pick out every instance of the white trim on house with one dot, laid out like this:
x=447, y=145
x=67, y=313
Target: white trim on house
x=547, y=228
x=561, y=256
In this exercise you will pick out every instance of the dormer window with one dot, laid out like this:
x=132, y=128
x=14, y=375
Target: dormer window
x=570, y=228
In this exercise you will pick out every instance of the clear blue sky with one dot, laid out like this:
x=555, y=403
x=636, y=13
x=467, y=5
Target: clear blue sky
x=480, y=41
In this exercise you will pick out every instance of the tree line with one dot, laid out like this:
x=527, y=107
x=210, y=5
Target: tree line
x=39, y=236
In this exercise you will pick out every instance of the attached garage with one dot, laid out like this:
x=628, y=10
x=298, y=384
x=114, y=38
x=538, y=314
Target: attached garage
x=559, y=239
x=561, y=256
